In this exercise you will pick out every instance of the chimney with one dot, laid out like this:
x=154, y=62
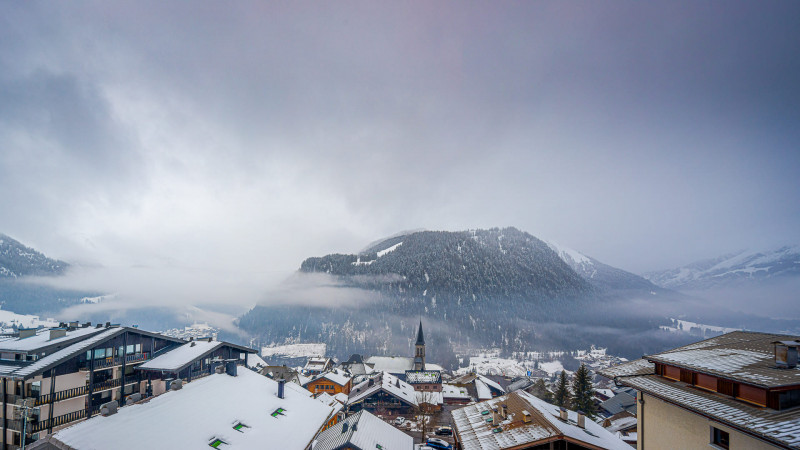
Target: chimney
x=526, y=416
x=563, y=413
x=503, y=410
x=27, y=332
x=495, y=416
x=371, y=382
x=192, y=344
x=56, y=333
x=281, y=383
x=581, y=419
x=785, y=354
x=230, y=368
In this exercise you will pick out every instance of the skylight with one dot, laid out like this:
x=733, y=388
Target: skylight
x=240, y=427
x=217, y=443
x=278, y=412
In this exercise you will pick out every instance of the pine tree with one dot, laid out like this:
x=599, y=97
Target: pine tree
x=584, y=392
x=562, y=396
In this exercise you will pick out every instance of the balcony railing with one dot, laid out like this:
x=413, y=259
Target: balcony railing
x=105, y=385
x=61, y=395
x=139, y=357
x=58, y=421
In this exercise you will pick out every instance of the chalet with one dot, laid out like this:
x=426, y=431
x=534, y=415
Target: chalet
x=192, y=360
x=218, y=411
x=356, y=366
x=66, y=373
x=519, y=420
x=425, y=380
x=363, y=431
x=479, y=386
x=455, y=395
x=333, y=382
x=383, y=394
x=318, y=364
x=737, y=390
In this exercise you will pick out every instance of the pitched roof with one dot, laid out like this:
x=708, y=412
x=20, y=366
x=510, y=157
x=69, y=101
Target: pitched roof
x=423, y=376
x=335, y=376
x=744, y=356
x=420, y=337
x=475, y=433
x=364, y=431
x=175, y=360
x=387, y=383
x=207, y=409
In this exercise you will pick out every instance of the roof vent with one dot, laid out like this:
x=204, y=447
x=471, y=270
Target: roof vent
x=109, y=408
x=785, y=354
x=27, y=332
x=344, y=428
x=192, y=344
x=526, y=416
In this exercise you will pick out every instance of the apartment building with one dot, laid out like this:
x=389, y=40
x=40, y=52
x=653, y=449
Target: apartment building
x=63, y=375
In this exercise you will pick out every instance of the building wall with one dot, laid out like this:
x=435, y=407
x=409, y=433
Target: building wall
x=325, y=385
x=662, y=425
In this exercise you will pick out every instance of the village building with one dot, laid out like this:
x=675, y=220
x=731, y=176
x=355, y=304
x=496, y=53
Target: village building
x=334, y=382
x=519, y=420
x=356, y=366
x=318, y=364
x=220, y=411
x=624, y=425
x=399, y=365
x=363, y=431
x=425, y=380
x=336, y=402
x=383, y=394
x=284, y=373
x=455, y=395
x=192, y=360
x=478, y=386
x=737, y=390
x=65, y=374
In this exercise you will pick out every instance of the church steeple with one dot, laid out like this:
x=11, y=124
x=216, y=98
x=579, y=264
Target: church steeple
x=419, y=347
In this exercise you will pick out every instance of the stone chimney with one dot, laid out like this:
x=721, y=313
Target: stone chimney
x=503, y=411
x=581, y=419
x=56, y=333
x=27, y=332
x=563, y=413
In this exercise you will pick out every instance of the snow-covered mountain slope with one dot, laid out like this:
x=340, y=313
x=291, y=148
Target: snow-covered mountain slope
x=742, y=266
x=599, y=274
x=17, y=260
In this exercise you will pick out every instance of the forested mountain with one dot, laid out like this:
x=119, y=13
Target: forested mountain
x=499, y=287
x=458, y=266
x=17, y=260
x=17, y=294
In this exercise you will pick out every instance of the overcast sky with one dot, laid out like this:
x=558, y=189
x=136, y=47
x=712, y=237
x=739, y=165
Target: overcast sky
x=240, y=138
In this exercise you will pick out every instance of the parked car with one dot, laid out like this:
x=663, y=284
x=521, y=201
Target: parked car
x=438, y=444
x=444, y=431
x=399, y=420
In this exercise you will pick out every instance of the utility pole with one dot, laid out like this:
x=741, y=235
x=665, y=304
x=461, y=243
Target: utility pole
x=24, y=412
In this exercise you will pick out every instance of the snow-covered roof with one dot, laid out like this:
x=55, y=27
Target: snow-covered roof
x=475, y=433
x=450, y=391
x=391, y=364
x=42, y=339
x=364, y=431
x=423, y=376
x=621, y=424
x=744, y=356
x=389, y=384
x=492, y=384
x=206, y=409
x=335, y=376
x=255, y=362
x=177, y=359
x=484, y=393
x=331, y=401
x=61, y=355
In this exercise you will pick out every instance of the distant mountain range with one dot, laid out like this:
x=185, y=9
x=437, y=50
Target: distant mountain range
x=739, y=268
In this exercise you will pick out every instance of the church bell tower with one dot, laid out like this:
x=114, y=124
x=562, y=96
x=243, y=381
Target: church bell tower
x=419, y=350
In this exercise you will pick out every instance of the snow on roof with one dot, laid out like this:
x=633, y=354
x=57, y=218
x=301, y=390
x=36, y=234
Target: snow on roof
x=364, y=431
x=65, y=353
x=255, y=362
x=450, y=391
x=42, y=339
x=743, y=356
x=484, y=393
x=491, y=384
x=621, y=424
x=182, y=356
x=331, y=401
x=336, y=376
x=476, y=433
x=391, y=364
x=423, y=377
x=783, y=427
x=206, y=409
x=389, y=384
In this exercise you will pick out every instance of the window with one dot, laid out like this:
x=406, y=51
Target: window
x=216, y=443
x=278, y=412
x=240, y=427
x=720, y=438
